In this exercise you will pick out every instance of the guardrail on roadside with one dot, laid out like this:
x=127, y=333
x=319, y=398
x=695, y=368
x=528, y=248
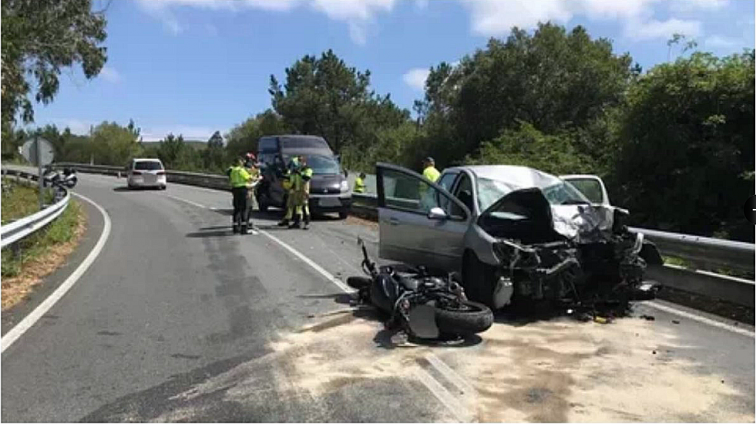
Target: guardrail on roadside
x=701, y=252
x=17, y=230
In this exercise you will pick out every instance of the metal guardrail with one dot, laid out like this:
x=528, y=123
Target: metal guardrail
x=702, y=253
x=17, y=230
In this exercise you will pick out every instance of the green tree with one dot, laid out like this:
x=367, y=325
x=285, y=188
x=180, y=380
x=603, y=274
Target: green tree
x=113, y=144
x=687, y=146
x=324, y=96
x=553, y=79
x=213, y=154
x=40, y=37
x=527, y=146
x=244, y=137
x=170, y=149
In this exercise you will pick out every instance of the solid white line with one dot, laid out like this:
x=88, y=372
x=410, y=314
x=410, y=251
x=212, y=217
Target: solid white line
x=699, y=318
x=459, y=411
x=330, y=277
x=26, y=323
x=457, y=380
x=188, y=202
x=309, y=262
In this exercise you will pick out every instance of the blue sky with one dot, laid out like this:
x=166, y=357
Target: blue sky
x=196, y=66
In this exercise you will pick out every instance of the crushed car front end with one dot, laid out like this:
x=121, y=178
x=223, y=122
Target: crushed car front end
x=574, y=253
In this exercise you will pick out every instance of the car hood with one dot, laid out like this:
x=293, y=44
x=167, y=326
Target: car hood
x=583, y=223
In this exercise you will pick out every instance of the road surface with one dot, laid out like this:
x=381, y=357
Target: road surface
x=179, y=320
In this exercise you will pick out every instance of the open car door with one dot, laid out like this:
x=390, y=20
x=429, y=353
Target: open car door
x=420, y=223
x=592, y=186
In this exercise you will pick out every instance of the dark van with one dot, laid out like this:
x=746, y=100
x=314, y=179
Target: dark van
x=329, y=190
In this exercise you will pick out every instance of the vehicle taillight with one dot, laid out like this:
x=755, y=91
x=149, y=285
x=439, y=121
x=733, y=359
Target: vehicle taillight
x=136, y=172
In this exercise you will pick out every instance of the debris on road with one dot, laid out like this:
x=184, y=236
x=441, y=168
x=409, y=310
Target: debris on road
x=648, y=317
x=674, y=321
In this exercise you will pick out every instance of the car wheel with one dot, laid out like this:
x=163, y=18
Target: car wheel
x=163, y=187
x=343, y=214
x=262, y=205
x=478, y=279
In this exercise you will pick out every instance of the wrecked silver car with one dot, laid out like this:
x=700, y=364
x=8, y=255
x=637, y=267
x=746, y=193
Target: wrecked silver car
x=515, y=233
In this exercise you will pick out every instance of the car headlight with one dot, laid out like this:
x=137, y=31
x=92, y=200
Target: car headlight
x=344, y=186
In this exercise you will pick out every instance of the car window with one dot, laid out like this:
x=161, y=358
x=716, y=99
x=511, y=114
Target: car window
x=148, y=166
x=268, y=145
x=446, y=181
x=323, y=165
x=464, y=191
x=590, y=188
x=564, y=193
x=489, y=191
x=303, y=143
x=405, y=192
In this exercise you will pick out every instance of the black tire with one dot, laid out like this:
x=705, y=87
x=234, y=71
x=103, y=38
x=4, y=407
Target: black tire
x=474, y=318
x=478, y=279
x=358, y=283
x=343, y=214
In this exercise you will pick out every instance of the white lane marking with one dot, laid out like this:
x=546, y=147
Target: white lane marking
x=457, y=380
x=438, y=390
x=188, y=201
x=459, y=411
x=26, y=323
x=309, y=262
x=700, y=319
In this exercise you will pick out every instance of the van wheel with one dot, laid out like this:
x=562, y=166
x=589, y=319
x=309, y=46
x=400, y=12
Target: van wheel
x=343, y=214
x=262, y=206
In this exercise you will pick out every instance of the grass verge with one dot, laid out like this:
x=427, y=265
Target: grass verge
x=33, y=258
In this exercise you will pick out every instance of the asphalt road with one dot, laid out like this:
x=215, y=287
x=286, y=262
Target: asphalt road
x=179, y=320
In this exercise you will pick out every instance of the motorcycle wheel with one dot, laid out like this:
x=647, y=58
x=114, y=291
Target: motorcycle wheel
x=470, y=318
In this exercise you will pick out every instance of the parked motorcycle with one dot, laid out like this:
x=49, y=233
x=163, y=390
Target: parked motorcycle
x=60, y=182
x=423, y=305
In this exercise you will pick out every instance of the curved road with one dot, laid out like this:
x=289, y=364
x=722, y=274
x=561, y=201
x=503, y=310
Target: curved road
x=179, y=320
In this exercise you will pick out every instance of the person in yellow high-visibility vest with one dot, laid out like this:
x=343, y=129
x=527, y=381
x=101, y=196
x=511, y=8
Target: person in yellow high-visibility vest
x=359, y=183
x=300, y=193
x=239, y=178
x=286, y=184
x=429, y=170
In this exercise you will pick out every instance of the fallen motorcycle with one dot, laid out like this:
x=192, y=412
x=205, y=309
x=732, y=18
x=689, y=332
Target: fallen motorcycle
x=422, y=305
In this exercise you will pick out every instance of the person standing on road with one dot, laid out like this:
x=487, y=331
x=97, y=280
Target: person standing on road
x=287, y=179
x=359, y=183
x=300, y=192
x=239, y=178
x=429, y=170
x=253, y=168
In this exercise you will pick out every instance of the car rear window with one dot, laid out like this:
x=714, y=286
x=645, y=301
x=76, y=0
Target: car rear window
x=148, y=166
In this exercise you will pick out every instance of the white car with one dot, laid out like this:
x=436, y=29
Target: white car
x=146, y=173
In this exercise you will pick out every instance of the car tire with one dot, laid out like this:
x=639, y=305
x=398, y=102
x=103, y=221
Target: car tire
x=478, y=279
x=343, y=214
x=163, y=187
x=262, y=205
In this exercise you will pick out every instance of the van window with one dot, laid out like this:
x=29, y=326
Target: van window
x=269, y=144
x=304, y=143
x=323, y=165
x=148, y=166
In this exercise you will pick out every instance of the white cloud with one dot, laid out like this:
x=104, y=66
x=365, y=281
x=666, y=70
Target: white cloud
x=421, y=4
x=693, y=5
x=720, y=42
x=109, y=74
x=662, y=30
x=497, y=17
x=357, y=14
x=211, y=29
x=416, y=77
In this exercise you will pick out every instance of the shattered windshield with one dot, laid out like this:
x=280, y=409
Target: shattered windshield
x=564, y=193
x=561, y=193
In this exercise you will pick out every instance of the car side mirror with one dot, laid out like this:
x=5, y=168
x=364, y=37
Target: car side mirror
x=437, y=214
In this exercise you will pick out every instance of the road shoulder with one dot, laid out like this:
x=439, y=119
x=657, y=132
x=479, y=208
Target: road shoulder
x=49, y=284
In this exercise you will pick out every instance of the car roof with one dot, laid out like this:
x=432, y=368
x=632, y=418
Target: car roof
x=146, y=160
x=517, y=176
